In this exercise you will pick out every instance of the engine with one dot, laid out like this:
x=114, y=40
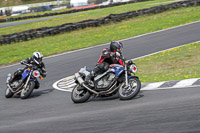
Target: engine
x=16, y=84
x=106, y=80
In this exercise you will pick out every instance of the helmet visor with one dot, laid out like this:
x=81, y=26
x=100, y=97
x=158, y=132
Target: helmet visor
x=39, y=60
x=121, y=47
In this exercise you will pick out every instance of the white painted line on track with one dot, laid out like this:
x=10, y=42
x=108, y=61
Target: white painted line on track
x=66, y=83
x=68, y=87
x=168, y=88
x=152, y=86
x=186, y=82
x=69, y=52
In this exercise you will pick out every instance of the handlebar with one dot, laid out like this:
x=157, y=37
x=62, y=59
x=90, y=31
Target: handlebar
x=29, y=65
x=34, y=67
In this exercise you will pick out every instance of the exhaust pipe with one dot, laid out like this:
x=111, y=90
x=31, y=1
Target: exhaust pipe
x=93, y=91
x=10, y=88
x=16, y=91
x=102, y=92
x=82, y=82
x=79, y=78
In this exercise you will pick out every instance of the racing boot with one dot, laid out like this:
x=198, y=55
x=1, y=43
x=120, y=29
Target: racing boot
x=92, y=74
x=11, y=79
x=89, y=77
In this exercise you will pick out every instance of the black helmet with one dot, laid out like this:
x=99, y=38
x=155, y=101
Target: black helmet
x=37, y=57
x=116, y=46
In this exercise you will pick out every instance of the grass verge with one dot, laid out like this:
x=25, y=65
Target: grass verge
x=93, y=36
x=174, y=64
x=85, y=15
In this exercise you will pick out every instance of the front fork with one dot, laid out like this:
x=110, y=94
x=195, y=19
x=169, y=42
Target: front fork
x=27, y=80
x=126, y=75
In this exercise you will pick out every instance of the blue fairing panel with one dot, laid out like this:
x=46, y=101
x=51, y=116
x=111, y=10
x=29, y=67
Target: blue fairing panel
x=131, y=77
x=25, y=74
x=118, y=71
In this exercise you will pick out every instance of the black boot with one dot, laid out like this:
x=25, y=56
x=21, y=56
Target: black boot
x=11, y=79
x=89, y=76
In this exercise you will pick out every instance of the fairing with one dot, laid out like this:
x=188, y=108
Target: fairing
x=25, y=74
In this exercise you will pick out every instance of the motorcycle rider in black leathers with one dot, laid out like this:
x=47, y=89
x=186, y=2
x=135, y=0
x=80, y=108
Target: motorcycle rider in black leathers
x=35, y=60
x=112, y=55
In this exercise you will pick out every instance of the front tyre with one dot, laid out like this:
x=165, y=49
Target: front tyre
x=26, y=92
x=80, y=96
x=130, y=91
x=8, y=93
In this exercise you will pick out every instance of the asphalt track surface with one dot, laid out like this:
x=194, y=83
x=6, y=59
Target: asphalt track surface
x=9, y=24
x=52, y=111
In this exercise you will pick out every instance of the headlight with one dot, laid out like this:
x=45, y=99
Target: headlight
x=133, y=68
x=36, y=73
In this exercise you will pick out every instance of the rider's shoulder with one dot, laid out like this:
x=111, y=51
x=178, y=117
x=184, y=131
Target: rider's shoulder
x=42, y=64
x=29, y=59
x=106, y=51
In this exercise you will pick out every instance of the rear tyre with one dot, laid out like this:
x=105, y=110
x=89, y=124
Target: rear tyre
x=80, y=96
x=8, y=93
x=127, y=93
x=28, y=90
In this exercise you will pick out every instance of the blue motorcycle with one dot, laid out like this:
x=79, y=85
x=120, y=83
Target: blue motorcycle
x=117, y=78
x=25, y=84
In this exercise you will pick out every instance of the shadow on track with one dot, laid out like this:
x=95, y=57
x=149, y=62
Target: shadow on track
x=116, y=96
x=36, y=93
x=41, y=92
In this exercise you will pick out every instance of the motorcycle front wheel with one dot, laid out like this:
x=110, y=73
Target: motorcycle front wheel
x=80, y=96
x=26, y=92
x=130, y=91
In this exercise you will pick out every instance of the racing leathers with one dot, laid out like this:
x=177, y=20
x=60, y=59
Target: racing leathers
x=106, y=58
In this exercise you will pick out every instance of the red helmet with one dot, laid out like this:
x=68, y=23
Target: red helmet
x=116, y=46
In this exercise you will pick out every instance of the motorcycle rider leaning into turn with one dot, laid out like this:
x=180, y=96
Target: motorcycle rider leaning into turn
x=112, y=55
x=35, y=60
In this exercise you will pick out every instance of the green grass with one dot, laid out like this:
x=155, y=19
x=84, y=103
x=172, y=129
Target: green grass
x=175, y=64
x=94, y=36
x=80, y=16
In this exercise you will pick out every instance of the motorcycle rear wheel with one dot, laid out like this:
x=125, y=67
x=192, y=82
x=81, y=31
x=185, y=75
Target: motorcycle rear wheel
x=80, y=96
x=8, y=93
x=132, y=90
